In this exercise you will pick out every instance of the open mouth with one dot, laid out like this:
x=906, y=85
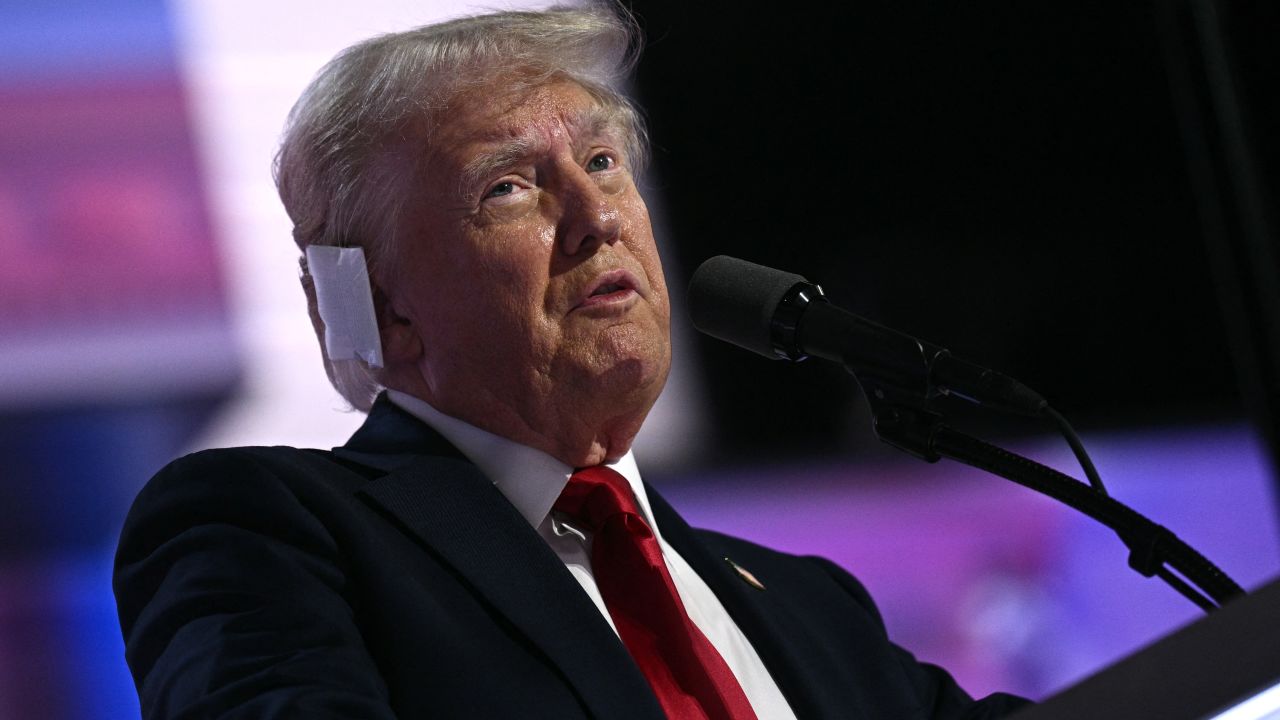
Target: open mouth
x=607, y=289
x=612, y=286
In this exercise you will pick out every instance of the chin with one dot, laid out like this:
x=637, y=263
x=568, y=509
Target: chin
x=634, y=376
x=632, y=351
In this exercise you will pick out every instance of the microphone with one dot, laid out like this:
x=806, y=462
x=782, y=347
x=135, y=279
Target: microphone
x=782, y=315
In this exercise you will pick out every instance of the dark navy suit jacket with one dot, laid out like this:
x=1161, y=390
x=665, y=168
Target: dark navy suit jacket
x=390, y=578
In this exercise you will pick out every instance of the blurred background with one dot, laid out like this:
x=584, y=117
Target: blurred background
x=1084, y=198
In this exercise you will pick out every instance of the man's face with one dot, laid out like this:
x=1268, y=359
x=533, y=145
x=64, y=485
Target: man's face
x=528, y=268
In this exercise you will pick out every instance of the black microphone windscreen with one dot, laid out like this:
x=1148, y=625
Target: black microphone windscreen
x=735, y=300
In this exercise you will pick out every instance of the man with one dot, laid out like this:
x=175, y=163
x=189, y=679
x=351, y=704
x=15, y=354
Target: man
x=483, y=546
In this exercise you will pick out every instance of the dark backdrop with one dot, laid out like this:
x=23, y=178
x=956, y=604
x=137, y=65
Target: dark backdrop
x=1005, y=179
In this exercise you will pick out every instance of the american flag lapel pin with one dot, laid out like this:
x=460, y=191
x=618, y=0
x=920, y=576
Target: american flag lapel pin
x=745, y=574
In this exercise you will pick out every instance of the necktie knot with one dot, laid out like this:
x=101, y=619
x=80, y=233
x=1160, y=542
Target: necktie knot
x=594, y=495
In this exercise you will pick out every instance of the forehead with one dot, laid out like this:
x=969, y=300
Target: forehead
x=489, y=121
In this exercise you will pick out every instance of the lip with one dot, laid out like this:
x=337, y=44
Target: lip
x=627, y=290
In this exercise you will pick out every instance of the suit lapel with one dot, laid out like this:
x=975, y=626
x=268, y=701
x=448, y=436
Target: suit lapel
x=448, y=505
x=769, y=627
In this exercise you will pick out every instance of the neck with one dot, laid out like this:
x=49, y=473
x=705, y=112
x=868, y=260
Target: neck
x=580, y=432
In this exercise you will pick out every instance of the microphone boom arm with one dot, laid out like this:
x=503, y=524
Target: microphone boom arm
x=904, y=421
x=1152, y=547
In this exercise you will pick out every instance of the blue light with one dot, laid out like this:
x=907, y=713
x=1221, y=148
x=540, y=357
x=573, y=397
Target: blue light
x=83, y=37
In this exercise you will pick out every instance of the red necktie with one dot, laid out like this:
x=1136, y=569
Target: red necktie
x=689, y=677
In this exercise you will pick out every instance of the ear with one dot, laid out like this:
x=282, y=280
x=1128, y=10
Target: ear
x=400, y=341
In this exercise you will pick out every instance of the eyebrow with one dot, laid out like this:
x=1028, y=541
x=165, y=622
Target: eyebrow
x=591, y=122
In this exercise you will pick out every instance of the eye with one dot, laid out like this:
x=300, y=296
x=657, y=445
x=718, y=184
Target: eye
x=502, y=188
x=600, y=162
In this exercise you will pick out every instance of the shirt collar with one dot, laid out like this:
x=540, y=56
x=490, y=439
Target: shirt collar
x=529, y=478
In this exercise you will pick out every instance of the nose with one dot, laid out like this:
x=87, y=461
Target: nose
x=590, y=215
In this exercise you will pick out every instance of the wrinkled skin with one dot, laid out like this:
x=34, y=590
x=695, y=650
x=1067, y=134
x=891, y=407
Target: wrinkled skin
x=527, y=207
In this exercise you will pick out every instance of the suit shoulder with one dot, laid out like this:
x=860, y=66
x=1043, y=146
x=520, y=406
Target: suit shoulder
x=810, y=566
x=277, y=460
x=257, y=487
x=248, y=469
x=759, y=553
x=719, y=539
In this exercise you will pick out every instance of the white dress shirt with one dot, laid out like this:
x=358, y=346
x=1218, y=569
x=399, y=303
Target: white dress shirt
x=533, y=480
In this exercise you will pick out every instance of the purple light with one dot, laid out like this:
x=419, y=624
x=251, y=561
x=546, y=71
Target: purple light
x=1004, y=587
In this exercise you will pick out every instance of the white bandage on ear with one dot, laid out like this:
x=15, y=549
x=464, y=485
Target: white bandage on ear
x=345, y=302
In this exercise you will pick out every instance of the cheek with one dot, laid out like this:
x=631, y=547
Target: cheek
x=645, y=249
x=508, y=277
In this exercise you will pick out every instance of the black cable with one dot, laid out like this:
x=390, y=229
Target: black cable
x=1077, y=447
